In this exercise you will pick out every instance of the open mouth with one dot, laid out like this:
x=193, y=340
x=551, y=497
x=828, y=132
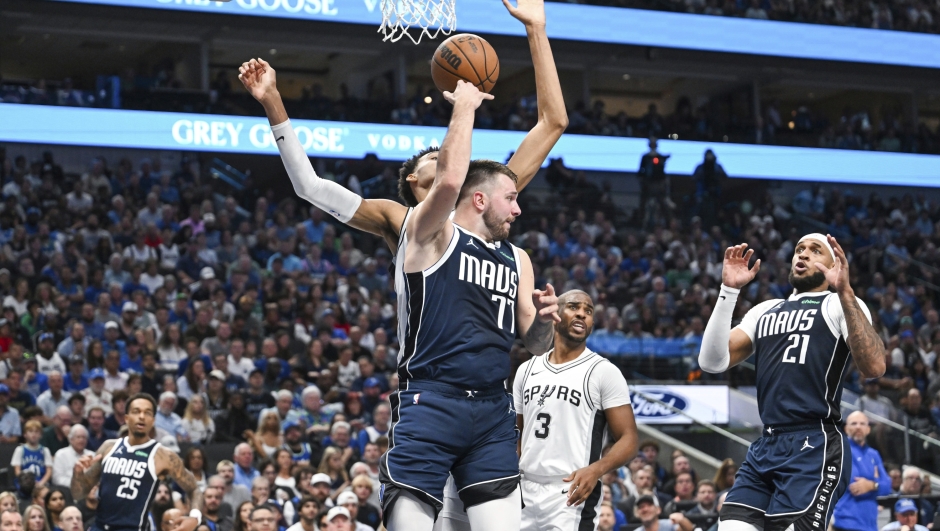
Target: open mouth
x=578, y=326
x=800, y=267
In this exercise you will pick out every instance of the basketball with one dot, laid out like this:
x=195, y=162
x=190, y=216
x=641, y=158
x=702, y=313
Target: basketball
x=467, y=57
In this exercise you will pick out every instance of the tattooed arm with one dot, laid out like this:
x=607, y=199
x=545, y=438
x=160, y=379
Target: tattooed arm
x=87, y=471
x=866, y=345
x=173, y=466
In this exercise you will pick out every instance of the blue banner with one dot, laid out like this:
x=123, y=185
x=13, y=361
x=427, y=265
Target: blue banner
x=239, y=134
x=613, y=25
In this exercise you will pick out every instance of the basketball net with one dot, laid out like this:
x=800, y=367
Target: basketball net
x=401, y=18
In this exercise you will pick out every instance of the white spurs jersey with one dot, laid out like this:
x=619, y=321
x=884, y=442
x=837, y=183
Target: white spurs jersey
x=564, y=427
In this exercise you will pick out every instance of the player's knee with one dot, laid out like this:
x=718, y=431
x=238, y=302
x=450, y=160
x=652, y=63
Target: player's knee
x=736, y=525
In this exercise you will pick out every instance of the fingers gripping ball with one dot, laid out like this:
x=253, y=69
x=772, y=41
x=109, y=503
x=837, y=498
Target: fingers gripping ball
x=465, y=57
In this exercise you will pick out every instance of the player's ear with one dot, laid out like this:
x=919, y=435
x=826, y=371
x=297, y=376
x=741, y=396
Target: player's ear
x=411, y=178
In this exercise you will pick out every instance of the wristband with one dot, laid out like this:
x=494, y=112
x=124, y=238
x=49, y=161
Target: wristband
x=195, y=513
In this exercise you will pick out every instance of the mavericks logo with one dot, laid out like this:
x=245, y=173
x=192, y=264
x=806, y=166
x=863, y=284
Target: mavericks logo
x=647, y=409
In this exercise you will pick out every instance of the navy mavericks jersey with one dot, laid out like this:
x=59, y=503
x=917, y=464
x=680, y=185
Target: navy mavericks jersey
x=800, y=354
x=457, y=319
x=128, y=483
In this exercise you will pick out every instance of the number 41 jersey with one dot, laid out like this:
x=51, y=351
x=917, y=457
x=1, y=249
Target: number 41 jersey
x=800, y=353
x=457, y=318
x=128, y=482
x=562, y=408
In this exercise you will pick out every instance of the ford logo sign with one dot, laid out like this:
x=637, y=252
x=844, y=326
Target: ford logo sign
x=644, y=408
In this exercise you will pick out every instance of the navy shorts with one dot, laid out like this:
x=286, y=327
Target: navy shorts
x=438, y=430
x=792, y=475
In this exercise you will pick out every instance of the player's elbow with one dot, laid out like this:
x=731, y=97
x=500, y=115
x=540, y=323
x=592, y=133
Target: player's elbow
x=556, y=122
x=875, y=369
x=712, y=365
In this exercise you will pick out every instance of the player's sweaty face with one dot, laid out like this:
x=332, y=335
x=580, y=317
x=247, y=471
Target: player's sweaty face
x=577, y=317
x=140, y=417
x=501, y=208
x=806, y=254
x=425, y=171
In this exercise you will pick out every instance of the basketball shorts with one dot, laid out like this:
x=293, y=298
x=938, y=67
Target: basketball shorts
x=794, y=474
x=438, y=429
x=546, y=507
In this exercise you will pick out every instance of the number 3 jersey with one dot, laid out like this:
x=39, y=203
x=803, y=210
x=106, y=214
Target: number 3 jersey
x=800, y=353
x=562, y=406
x=457, y=318
x=128, y=483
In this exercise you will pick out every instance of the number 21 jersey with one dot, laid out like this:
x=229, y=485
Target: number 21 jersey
x=800, y=353
x=128, y=482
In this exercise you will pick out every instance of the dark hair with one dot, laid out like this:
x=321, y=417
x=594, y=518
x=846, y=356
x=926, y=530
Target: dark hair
x=480, y=172
x=706, y=483
x=264, y=506
x=404, y=189
x=189, y=457
x=309, y=499
x=140, y=396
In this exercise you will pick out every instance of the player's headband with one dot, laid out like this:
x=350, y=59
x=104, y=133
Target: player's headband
x=821, y=238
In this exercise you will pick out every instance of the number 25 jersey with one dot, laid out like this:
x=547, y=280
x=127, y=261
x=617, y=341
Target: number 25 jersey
x=457, y=318
x=800, y=353
x=128, y=483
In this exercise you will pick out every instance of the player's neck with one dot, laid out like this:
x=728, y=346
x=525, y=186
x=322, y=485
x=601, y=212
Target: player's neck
x=137, y=441
x=473, y=222
x=565, y=350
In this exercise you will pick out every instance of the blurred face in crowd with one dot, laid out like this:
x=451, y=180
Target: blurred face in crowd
x=643, y=479
x=706, y=495
x=857, y=428
x=260, y=490
x=35, y=519
x=684, y=486
x=320, y=491
x=95, y=420
x=646, y=511
x=651, y=453
x=607, y=519
x=244, y=455
x=908, y=519
x=112, y=361
x=213, y=500
x=11, y=521
x=227, y=473
x=912, y=482
x=681, y=464
x=341, y=436
x=56, y=382
x=71, y=519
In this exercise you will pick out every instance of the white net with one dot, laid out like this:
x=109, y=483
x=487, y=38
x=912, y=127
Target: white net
x=416, y=18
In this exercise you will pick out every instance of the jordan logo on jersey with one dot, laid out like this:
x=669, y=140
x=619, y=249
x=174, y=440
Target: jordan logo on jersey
x=785, y=322
x=489, y=275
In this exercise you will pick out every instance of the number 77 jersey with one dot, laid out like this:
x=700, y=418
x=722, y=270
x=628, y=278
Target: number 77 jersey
x=800, y=354
x=457, y=318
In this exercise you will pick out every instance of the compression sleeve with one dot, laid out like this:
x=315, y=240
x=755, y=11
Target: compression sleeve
x=715, y=356
x=325, y=195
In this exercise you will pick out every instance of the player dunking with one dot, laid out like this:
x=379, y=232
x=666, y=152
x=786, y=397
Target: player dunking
x=127, y=471
x=798, y=469
x=463, y=294
x=565, y=402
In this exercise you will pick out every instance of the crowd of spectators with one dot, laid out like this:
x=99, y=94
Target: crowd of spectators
x=858, y=129
x=902, y=15
x=258, y=321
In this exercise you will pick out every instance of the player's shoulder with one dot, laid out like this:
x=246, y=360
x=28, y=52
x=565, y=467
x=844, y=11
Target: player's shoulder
x=765, y=306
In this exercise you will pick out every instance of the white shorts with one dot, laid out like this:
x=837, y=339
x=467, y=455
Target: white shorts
x=546, y=507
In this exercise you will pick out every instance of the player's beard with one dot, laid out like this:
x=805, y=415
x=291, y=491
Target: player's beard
x=565, y=332
x=803, y=284
x=494, y=224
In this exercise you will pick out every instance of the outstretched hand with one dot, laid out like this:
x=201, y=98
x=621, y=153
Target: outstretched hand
x=546, y=304
x=529, y=12
x=467, y=92
x=735, y=272
x=258, y=78
x=838, y=275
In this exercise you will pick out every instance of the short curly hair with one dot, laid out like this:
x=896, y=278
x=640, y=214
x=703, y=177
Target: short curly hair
x=404, y=189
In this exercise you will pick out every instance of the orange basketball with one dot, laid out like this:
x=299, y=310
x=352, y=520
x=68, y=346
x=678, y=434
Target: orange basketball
x=467, y=57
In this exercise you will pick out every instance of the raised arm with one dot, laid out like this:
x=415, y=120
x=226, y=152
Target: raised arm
x=537, y=310
x=553, y=118
x=864, y=342
x=723, y=347
x=87, y=471
x=430, y=217
x=376, y=216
